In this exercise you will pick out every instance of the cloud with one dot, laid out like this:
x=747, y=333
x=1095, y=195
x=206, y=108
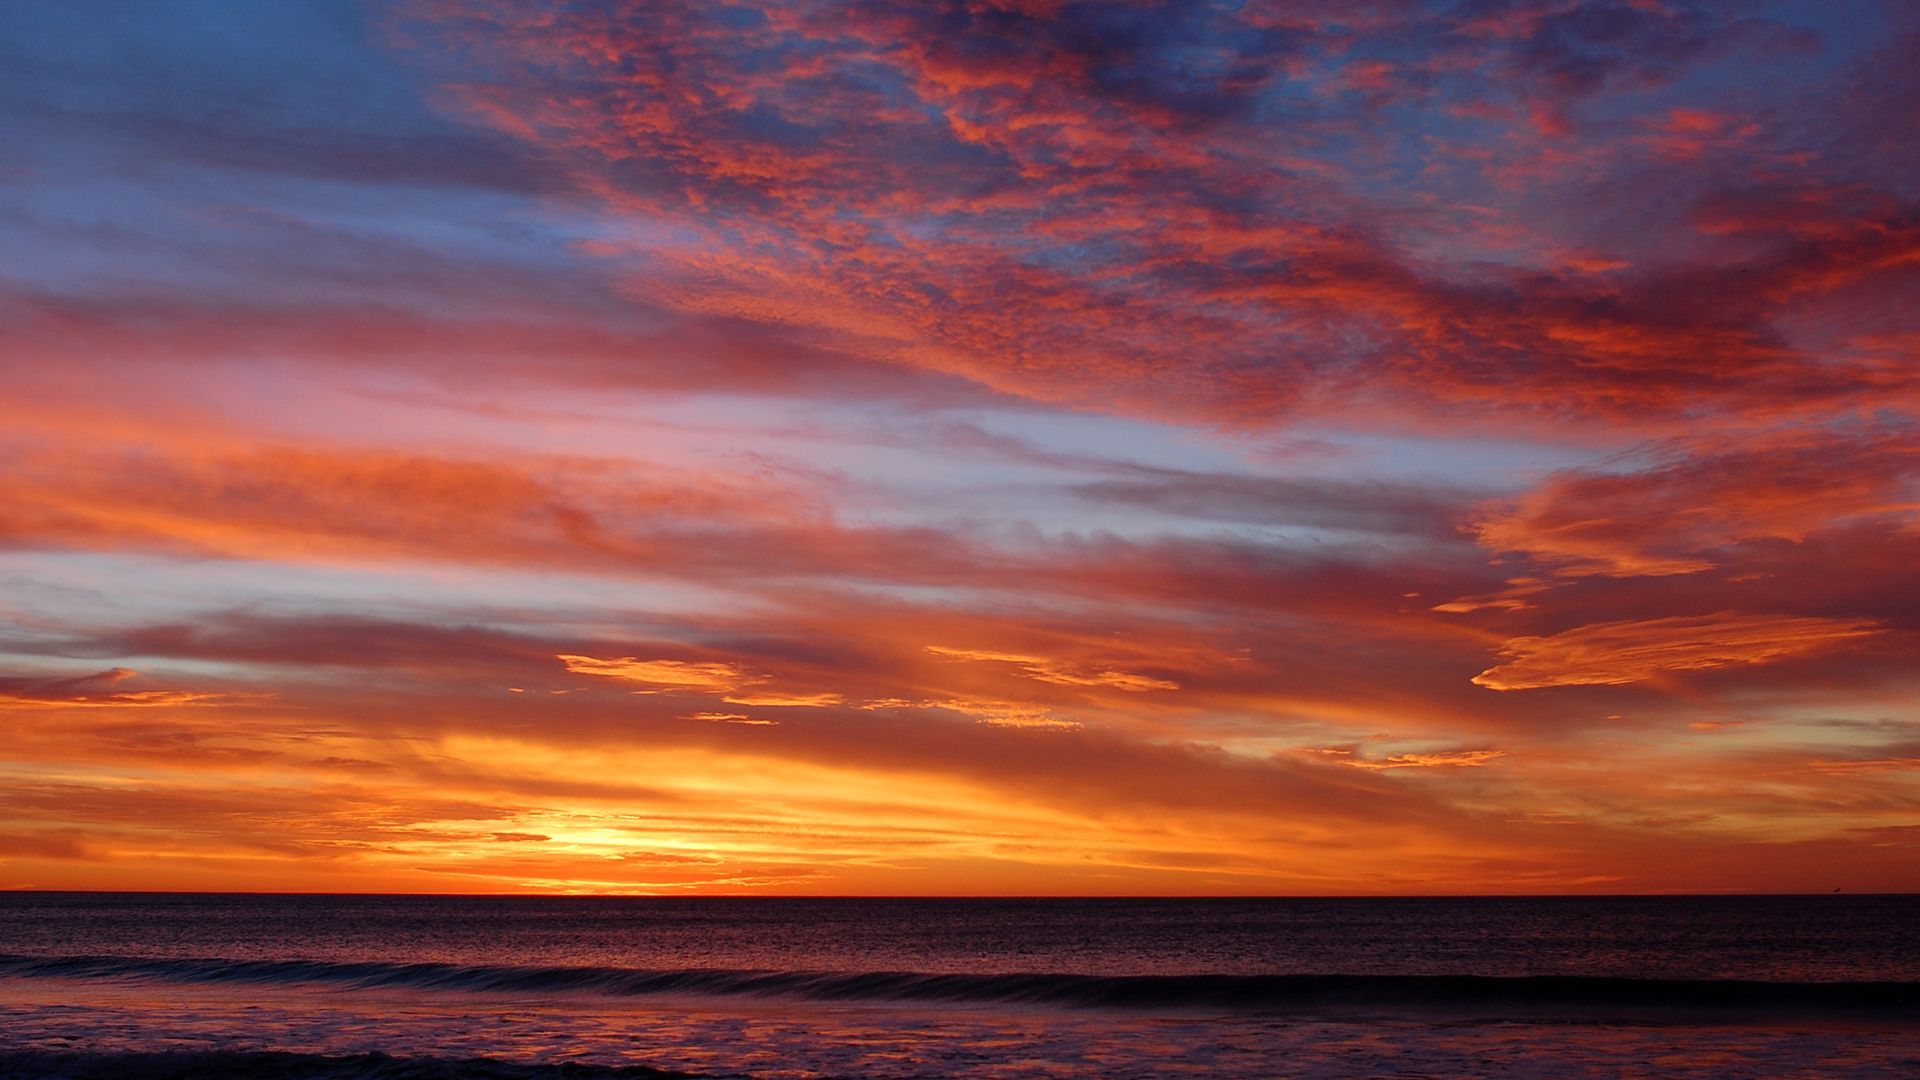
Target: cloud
x=1429, y=511
x=1674, y=509
x=1350, y=755
x=1439, y=759
x=735, y=685
x=1855, y=766
x=47, y=844
x=834, y=449
x=325, y=503
x=732, y=718
x=1608, y=654
x=1054, y=671
x=1161, y=210
x=665, y=674
x=99, y=690
x=1011, y=714
x=770, y=697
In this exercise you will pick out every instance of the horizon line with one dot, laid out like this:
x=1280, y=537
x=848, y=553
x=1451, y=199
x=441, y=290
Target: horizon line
x=30, y=891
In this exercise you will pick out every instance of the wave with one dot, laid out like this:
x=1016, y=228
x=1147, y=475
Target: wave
x=1503, y=995
x=275, y=1065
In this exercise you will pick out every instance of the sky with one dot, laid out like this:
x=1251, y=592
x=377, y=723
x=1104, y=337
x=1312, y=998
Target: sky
x=1007, y=447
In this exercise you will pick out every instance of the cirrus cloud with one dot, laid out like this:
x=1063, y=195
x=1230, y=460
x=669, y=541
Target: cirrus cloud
x=1633, y=650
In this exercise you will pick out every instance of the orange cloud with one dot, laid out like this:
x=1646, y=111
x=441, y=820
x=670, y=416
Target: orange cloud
x=1688, y=501
x=1013, y=714
x=98, y=691
x=665, y=674
x=1438, y=759
x=1054, y=671
x=710, y=398
x=732, y=718
x=1633, y=650
x=320, y=503
x=736, y=685
x=1853, y=767
x=1350, y=755
x=771, y=697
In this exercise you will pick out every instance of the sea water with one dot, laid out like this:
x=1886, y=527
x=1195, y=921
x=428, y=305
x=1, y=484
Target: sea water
x=116, y=985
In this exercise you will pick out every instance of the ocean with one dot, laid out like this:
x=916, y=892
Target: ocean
x=122, y=985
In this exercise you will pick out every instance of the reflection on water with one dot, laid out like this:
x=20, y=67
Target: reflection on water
x=1000, y=988
x=772, y=1040
x=1732, y=937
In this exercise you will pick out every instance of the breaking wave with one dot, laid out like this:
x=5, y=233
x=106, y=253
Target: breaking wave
x=274, y=1065
x=1519, y=995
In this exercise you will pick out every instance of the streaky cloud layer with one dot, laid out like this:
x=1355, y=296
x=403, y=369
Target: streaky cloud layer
x=1004, y=447
x=1636, y=649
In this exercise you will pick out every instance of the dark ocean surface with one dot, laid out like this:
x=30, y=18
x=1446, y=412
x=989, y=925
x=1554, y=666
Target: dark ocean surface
x=130, y=985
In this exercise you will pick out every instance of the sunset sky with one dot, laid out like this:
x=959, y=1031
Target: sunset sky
x=1005, y=447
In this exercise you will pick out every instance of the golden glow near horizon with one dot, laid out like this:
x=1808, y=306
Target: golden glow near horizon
x=941, y=456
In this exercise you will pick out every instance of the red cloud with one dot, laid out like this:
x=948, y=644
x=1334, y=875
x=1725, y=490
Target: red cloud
x=1684, y=505
x=1608, y=654
x=1055, y=209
